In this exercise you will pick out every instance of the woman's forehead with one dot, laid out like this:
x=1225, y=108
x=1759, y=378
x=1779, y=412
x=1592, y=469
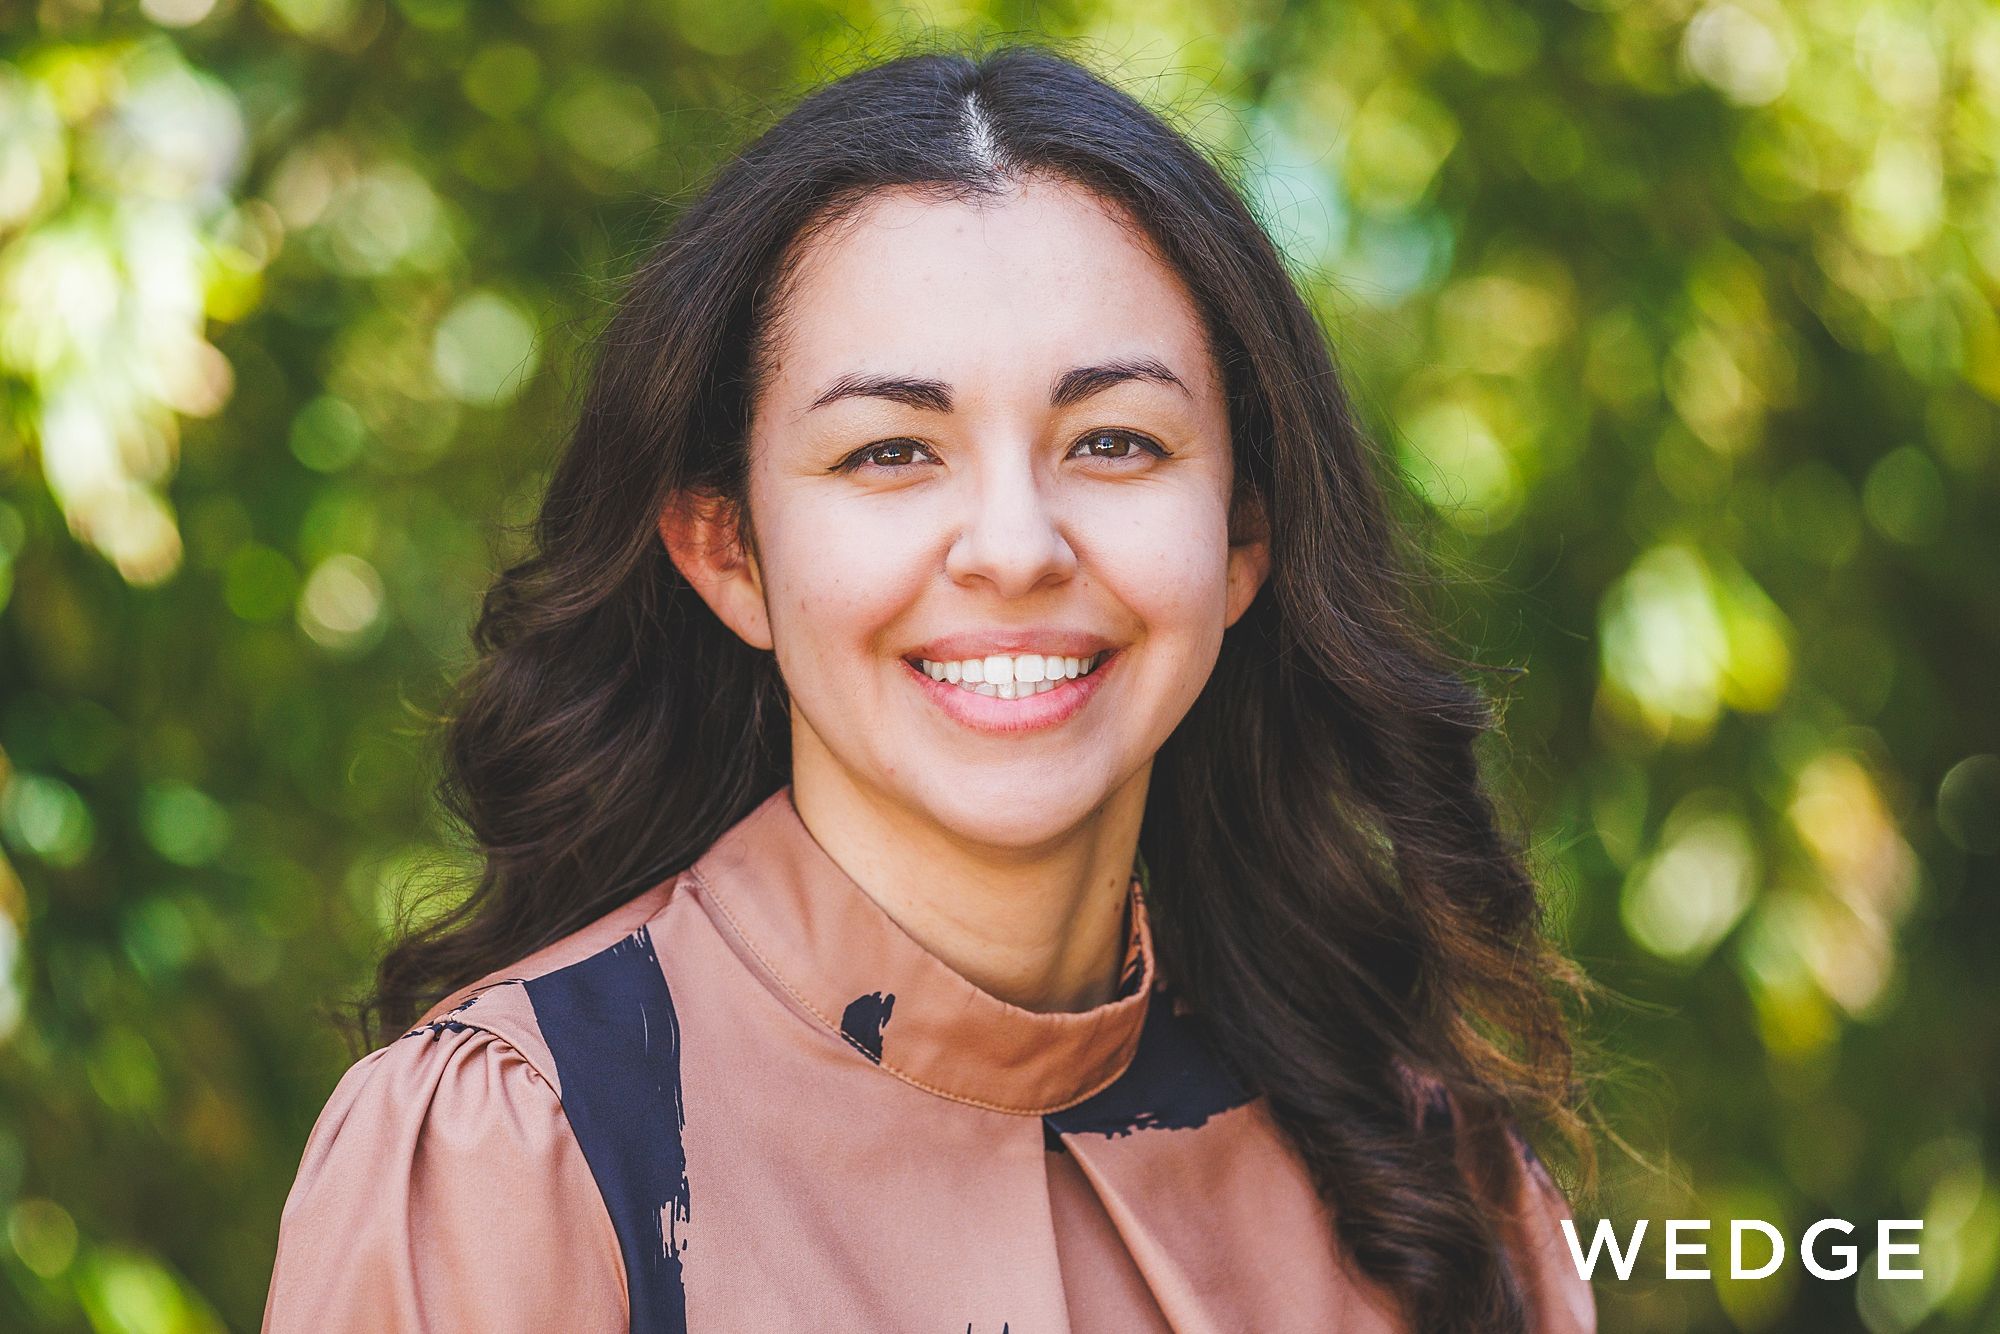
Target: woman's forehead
x=1045, y=275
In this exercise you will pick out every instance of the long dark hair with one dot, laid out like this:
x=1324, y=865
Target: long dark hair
x=1331, y=883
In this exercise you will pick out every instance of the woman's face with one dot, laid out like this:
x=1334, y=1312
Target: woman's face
x=993, y=431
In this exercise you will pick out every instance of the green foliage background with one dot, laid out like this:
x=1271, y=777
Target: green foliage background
x=1678, y=316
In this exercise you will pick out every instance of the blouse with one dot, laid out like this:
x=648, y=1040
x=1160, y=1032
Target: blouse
x=749, y=1100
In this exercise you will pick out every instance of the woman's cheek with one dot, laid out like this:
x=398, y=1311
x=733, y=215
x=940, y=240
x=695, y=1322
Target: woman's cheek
x=1174, y=571
x=844, y=568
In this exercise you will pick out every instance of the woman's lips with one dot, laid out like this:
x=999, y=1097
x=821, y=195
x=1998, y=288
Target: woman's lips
x=990, y=713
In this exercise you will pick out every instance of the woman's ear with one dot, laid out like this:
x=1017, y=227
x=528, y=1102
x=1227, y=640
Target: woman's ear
x=704, y=540
x=1249, y=552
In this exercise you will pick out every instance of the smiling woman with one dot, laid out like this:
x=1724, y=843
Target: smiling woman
x=960, y=747
x=1032, y=461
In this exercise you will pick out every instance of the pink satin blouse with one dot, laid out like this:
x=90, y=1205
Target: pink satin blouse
x=748, y=1100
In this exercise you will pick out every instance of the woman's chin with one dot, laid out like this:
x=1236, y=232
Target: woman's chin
x=985, y=810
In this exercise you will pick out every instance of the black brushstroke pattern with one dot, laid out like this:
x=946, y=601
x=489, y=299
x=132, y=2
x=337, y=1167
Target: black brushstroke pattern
x=444, y=1023
x=863, y=1020
x=1177, y=1080
x=609, y=1021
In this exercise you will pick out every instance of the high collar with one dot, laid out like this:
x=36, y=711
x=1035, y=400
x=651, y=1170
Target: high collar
x=836, y=957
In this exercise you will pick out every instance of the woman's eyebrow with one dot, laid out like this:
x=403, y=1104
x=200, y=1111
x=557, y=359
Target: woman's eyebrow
x=931, y=395
x=1072, y=386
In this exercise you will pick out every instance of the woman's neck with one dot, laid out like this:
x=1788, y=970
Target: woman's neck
x=1040, y=928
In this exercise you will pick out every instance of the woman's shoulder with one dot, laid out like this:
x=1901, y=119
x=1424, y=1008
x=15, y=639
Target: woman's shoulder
x=439, y=1161
x=588, y=940
x=471, y=1086
x=483, y=1047
x=477, y=1067
x=446, y=1154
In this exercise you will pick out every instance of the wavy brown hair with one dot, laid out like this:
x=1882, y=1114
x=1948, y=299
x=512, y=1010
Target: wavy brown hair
x=1332, y=885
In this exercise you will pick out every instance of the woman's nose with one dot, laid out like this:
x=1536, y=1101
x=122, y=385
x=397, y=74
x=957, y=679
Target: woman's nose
x=1009, y=534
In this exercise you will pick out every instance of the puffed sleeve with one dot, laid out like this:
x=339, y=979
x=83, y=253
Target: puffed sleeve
x=443, y=1190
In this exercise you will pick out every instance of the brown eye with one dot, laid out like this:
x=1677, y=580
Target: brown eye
x=883, y=454
x=1110, y=444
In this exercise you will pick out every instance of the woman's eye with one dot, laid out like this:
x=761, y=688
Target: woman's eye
x=1111, y=444
x=884, y=454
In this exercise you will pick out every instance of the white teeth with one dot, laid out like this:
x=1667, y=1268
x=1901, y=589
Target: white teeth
x=1010, y=676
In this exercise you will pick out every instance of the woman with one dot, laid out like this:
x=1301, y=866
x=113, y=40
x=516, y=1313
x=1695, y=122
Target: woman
x=975, y=837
